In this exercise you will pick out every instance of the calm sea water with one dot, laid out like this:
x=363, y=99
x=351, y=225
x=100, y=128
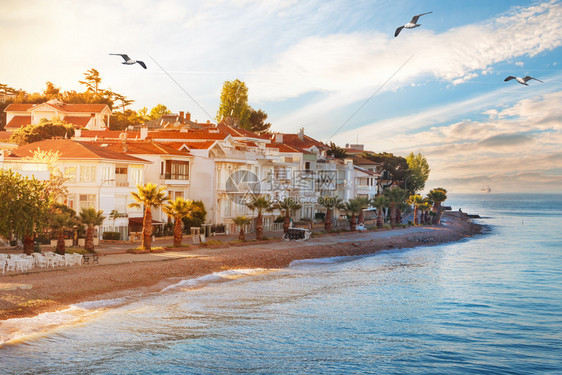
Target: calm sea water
x=490, y=304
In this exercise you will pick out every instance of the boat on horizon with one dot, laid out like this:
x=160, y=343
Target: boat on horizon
x=486, y=189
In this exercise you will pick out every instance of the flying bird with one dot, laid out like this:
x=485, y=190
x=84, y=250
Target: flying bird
x=523, y=80
x=410, y=25
x=129, y=61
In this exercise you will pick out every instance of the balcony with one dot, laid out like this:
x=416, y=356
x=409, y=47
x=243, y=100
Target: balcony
x=174, y=176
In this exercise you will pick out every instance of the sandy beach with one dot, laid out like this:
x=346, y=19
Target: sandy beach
x=117, y=275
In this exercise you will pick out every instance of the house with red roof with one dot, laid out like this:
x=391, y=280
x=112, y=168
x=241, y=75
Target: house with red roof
x=81, y=116
x=98, y=177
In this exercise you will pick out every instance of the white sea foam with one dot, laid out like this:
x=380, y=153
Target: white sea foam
x=321, y=261
x=216, y=277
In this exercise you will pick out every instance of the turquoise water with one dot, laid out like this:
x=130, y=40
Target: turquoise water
x=490, y=304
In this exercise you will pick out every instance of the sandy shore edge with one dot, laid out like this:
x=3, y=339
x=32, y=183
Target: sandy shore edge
x=51, y=291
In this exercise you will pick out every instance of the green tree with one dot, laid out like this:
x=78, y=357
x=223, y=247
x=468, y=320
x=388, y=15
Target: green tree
x=437, y=196
x=380, y=202
x=417, y=201
x=395, y=168
x=59, y=222
x=396, y=197
x=336, y=151
x=122, y=120
x=158, y=111
x=260, y=204
x=24, y=207
x=234, y=103
x=330, y=203
x=178, y=209
x=242, y=221
x=91, y=218
x=56, y=185
x=288, y=205
x=92, y=81
x=51, y=91
x=353, y=207
x=148, y=196
x=364, y=203
x=198, y=217
x=419, y=172
x=46, y=129
x=257, y=122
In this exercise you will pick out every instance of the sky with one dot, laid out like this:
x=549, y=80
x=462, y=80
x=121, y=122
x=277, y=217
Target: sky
x=332, y=67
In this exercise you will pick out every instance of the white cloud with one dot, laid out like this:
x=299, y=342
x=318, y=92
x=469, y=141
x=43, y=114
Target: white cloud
x=348, y=67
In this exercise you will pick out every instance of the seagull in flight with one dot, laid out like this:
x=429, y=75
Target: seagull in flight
x=523, y=80
x=128, y=60
x=410, y=25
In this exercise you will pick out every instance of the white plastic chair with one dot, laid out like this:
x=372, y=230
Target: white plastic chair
x=40, y=260
x=68, y=260
x=78, y=259
x=10, y=265
x=3, y=265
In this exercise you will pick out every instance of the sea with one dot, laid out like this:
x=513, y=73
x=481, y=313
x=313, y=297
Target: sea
x=490, y=304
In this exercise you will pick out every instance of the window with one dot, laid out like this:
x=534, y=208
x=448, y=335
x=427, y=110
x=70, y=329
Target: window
x=136, y=176
x=87, y=173
x=176, y=170
x=70, y=172
x=121, y=178
x=87, y=201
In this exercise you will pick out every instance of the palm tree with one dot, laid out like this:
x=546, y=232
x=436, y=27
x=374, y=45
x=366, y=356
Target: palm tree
x=330, y=203
x=354, y=207
x=91, y=218
x=425, y=207
x=242, y=221
x=260, y=204
x=59, y=222
x=364, y=203
x=287, y=205
x=179, y=209
x=437, y=196
x=148, y=196
x=396, y=197
x=380, y=202
x=417, y=201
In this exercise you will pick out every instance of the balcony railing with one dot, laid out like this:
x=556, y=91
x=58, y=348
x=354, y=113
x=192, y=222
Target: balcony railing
x=174, y=176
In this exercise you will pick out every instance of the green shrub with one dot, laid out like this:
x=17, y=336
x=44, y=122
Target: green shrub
x=111, y=236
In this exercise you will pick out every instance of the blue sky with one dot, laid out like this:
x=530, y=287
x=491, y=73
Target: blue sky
x=312, y=64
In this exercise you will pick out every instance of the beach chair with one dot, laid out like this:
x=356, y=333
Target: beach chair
x=40, y=260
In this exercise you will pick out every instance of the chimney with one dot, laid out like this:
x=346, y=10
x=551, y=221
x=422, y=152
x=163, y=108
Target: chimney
x=77, y=133
x=187, y=116
x=279, y=138
x=181, y=114
x=143, y=132
x=125, y=149
x=301, y=134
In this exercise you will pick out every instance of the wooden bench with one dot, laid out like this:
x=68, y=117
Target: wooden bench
x=95, y=258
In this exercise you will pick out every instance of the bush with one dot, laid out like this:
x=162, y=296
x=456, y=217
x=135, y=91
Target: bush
x=111, y=236
x=320, y=216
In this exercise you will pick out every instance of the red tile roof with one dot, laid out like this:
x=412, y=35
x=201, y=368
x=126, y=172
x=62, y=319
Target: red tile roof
x=79, y=121
x=197, y=145
x=5, y=136
x=358, y=160
x=239, y=132
x=70, y=149
x=284, y=148
x=306, y=142
x=108, y=134
x=140, y=147
x=19, y=121
x=91, y=108
x=192, y=135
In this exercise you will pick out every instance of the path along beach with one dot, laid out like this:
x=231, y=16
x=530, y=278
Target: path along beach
x=119, y=275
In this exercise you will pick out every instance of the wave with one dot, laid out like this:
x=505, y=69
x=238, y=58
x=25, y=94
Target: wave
x=323, y=261
x=217, y=277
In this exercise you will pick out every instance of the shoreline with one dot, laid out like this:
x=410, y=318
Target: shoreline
x=29, y=294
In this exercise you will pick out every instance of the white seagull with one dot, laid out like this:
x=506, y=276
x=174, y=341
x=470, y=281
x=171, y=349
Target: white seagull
x=128, y=60
x=410, y=25
x=523, y=80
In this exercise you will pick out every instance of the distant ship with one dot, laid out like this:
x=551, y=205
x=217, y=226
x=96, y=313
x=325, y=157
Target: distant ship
x=486, y=189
